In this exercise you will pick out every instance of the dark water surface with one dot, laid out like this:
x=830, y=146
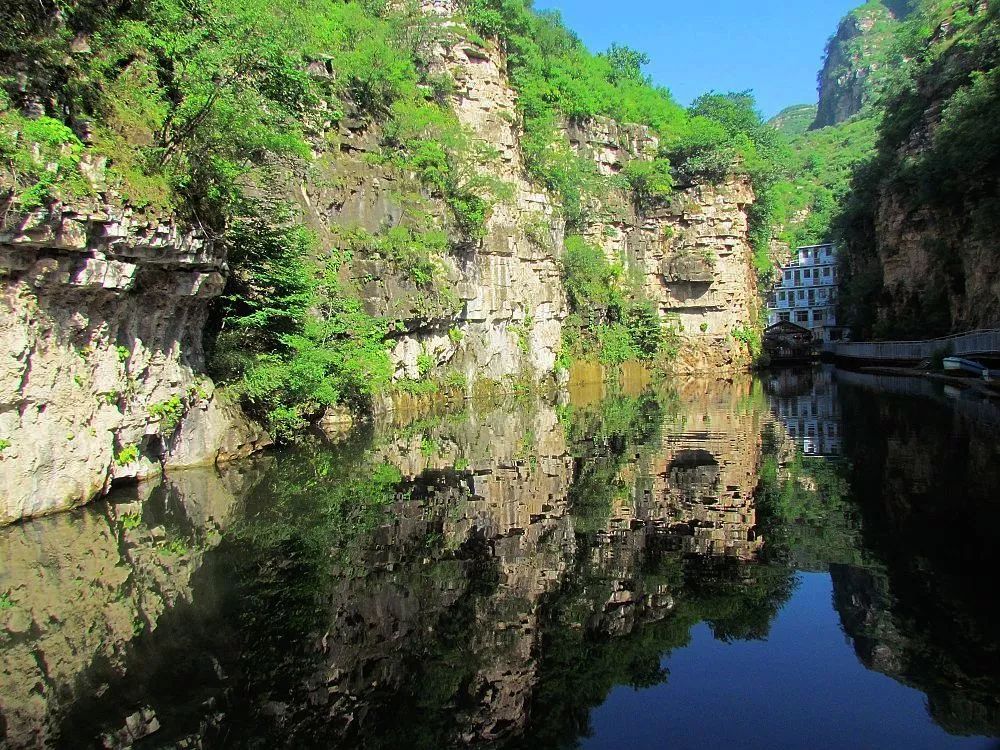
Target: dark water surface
x=803, y=561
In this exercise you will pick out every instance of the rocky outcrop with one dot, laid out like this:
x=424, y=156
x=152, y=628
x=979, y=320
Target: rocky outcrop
x=691, y=251
x=854, y=64
x=494, y=310
x=101, y=326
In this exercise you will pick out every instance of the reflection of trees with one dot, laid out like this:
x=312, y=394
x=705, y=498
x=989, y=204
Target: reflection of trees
x=600, y=630
x=602, y=436
x=905, y=527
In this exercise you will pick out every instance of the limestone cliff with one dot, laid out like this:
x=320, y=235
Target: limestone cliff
x=496, y=308
x=855, y=61
x=102, y=375
x=105, y=309
x=691, y=252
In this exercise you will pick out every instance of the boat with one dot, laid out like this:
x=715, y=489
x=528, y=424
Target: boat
x=965, y=365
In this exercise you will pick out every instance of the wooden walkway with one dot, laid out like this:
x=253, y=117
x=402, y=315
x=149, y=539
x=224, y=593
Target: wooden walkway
x=981, y=343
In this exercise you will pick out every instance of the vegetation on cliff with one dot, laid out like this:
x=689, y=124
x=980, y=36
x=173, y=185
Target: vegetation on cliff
x=937, y=161
x=559, y=79
x=196, y=108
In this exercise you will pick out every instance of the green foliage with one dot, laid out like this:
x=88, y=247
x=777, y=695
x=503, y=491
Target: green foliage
x=610, y=317
x=750, y=336
x=5, y=601
x=4, y=444
x=294, y=337
x=795, y=120
x=131, y=521
x=649, y=180
x=168, y=413
x=416, y=254
x=127, y=455
x=40, y=158
x=817, y=179
x=123, y=353
x=174, y=548
x=425, y=364
x=426, y=139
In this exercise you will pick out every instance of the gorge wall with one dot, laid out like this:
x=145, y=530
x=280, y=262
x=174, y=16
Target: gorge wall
x=105, y=308
x=920, y=229
x=103, y=365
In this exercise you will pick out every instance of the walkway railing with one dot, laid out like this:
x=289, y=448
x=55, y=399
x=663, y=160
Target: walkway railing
x=959, y=345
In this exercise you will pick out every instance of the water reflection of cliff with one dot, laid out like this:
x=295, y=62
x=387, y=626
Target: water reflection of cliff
x=81, y=587
x=486, y=577
x=431, y=572
x=925, y=476
x=912, y=579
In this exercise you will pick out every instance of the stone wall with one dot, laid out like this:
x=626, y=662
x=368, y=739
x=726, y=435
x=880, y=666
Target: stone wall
x=102, y=318
x=691, y=252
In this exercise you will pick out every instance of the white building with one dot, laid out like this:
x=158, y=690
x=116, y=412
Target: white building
x=806, y=293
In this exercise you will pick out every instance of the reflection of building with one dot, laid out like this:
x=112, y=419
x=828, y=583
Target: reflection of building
x=806, y=403
x=806, y=293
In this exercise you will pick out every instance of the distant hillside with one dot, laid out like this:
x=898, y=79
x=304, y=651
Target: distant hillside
x=858, y=60
x=794, y=120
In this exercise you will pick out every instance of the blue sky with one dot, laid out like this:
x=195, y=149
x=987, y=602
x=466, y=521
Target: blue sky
x=774, y=47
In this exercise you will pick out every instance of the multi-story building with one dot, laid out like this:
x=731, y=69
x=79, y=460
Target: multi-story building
x=806, y=293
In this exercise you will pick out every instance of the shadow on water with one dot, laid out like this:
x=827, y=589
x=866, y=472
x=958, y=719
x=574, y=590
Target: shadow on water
x=489, y=577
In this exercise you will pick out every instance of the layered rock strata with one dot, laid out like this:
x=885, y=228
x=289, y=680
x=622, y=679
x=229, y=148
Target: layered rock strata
x=691, y=252
x=101, y=326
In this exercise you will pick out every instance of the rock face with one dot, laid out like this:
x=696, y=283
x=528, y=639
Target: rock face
x=104, y=312
x=101, y=326
x=921, y=256
x=691, y=252
x=496, y=309
x=852, y=70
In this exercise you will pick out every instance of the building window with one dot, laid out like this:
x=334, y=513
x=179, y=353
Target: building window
x=818, y=316
x=802, y=294
x=806, y=273
x=802, y=316
x=788, y=275
x=829, y=252
x=783, y=317
x=781, y=296
x=826, y=272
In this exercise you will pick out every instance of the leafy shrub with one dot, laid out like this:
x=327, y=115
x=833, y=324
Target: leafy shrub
x=609, y=319
x=649, y=180
x=168, y=413
x=127, y=455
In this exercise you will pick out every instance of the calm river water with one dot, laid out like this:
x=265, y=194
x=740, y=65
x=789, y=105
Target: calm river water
x=807, y=560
